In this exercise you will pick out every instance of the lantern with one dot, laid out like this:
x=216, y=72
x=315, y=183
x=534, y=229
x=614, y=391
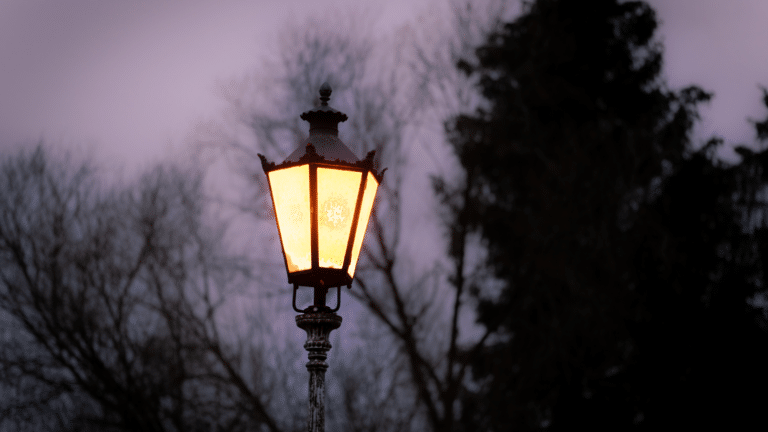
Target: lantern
x=322, y=197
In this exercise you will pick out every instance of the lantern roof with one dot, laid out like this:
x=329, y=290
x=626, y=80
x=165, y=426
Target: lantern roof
x=323, y=144
x=324, y=132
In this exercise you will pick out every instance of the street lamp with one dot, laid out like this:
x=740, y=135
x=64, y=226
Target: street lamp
x=322, y=196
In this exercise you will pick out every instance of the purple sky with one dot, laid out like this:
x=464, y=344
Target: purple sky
x=719, y=45
x=128, y=80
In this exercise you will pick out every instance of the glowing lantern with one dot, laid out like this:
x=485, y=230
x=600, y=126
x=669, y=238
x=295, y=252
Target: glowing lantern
x=322, y=197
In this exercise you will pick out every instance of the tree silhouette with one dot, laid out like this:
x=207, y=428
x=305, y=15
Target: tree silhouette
x=110, y=300
x=699, y=336
x=616, y=243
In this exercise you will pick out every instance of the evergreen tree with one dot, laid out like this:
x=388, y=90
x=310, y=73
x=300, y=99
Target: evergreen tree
x=700, y=340
x=621, y=250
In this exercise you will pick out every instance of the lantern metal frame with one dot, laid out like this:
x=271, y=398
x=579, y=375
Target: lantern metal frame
x=320, y=276
x=334, y=155
x=323, y=150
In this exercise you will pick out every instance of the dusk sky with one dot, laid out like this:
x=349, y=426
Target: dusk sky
x=128, y=80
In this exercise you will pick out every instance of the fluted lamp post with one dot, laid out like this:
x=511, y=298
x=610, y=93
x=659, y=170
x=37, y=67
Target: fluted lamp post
x=322, y=196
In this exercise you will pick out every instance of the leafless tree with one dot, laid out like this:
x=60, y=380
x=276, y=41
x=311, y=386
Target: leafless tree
x=111, y=301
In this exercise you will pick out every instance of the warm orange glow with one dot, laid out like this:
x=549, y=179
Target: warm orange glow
x=290, y=195
x=365, y=213
x=336, y=197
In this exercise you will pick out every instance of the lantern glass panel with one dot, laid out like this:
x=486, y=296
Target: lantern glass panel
x=290, y=195
x=365, y=212
x=337, y=192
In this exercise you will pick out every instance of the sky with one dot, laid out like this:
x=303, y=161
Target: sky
x=720, y=46
x=128, y=80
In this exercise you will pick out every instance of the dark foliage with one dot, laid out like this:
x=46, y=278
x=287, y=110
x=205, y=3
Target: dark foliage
x=631, y=264
x=700, y=338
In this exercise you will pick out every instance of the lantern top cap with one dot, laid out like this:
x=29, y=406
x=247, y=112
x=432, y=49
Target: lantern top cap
x=324, y=116
x=325, y=93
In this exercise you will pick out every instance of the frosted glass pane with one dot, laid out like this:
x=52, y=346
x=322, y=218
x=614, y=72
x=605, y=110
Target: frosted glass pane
x=365, y=212
x=336, y=197
x=290, y=196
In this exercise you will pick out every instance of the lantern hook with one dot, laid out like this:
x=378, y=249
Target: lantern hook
x=295, y=288
x=338, y=300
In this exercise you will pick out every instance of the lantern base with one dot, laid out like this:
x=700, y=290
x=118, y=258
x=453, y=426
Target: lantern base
x=322, y=277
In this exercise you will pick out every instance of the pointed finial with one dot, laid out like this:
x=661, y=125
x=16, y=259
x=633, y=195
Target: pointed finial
x=325, y=93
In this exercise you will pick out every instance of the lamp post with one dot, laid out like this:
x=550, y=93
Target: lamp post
x=322, y=196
